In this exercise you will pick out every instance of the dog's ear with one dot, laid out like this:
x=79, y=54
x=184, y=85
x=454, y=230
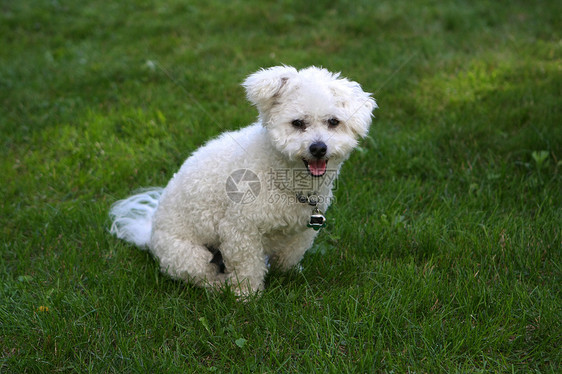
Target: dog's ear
x=266, y=85
x=357, y=104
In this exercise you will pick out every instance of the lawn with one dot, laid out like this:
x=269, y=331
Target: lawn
x=443, y=250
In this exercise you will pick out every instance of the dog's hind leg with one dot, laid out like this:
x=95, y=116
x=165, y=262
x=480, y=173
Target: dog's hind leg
x=185, y=260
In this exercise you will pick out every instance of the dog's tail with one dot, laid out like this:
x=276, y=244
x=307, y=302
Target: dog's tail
x=132, y=217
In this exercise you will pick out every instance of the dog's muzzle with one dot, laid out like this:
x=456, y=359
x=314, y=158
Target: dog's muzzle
x=318, y=164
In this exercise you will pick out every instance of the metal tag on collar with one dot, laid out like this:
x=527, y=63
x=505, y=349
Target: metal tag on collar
x=317, y=220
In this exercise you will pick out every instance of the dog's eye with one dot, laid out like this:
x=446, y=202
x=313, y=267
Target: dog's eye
x=298, y=123
x=333, y=122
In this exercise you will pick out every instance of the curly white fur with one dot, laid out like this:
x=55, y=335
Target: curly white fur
x=132, y=217
x=309, y=122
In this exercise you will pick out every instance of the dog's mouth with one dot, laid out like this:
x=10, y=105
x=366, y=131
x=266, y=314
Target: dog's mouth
x=317, y=167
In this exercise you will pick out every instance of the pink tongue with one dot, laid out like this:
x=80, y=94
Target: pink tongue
x=317, y=167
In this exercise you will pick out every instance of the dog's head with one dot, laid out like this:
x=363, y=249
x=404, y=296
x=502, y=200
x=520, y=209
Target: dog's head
x=311, y=114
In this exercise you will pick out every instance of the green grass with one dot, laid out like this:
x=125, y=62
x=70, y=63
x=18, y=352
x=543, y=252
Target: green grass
x=443, y=251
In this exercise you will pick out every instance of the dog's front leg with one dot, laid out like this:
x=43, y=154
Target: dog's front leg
x=244, y=259
x=287, y=251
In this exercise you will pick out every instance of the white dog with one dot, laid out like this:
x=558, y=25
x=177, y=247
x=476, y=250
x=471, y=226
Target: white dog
x=257, y=193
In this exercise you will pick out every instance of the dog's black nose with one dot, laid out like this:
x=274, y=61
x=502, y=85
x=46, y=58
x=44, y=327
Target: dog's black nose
x=318, y=149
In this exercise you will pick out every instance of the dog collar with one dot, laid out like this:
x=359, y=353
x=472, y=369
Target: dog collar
x=317, y=219
x=311, y=198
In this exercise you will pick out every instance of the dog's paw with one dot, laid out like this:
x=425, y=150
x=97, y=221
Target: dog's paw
x=245, y=290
